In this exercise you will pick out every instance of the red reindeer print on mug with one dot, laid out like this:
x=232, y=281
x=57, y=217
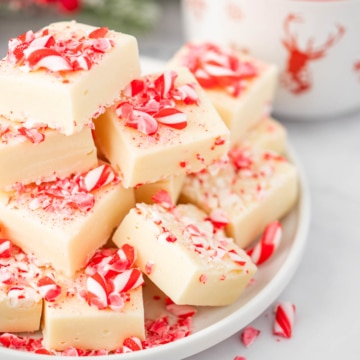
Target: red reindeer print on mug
x=297, y=74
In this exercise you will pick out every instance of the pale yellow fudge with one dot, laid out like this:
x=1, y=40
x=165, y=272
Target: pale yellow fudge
x=185, y=254
x=164, y=125
x=267, y=134
x=20, y=298
x=41, y=153
x=241, y=87
x=22, y=315
x=252, y=189
x=65, y=74
x=63, y=222
x=99, y=308
x=172, y=185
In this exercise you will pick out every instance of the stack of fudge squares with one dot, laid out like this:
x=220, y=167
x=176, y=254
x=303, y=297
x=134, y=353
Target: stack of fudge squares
x=110, y=177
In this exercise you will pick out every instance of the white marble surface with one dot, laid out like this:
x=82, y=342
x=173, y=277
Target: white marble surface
x=326, y=287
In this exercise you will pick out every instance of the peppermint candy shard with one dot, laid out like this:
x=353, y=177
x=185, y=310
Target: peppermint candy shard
x=172, y=117
x=96, y=291
x=110, y=278
x=132, y=343
x=99, y=177
x=48, y=288
x=41, y=50
x=143, y=122
x=268, y=243
x=33, y=135
x=249, y=335
x=218, y=67
x=128, y=253
x=163, y=198
x=218, y=218
x=98, y=33
x=284, y=319
x=127, y=280
x=5, y=248
x=49, y=59
x=150, y=101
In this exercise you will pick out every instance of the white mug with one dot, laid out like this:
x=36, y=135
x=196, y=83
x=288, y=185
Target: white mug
x=315, y=43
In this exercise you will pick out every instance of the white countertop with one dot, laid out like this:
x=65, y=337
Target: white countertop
x=325, y=288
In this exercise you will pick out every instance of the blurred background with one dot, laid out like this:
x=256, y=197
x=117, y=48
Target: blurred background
x=156, y=23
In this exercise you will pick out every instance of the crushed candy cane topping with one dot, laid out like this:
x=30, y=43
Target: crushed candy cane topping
x=203, y=235
x=110, y=276
x=23, y=278
x=47, y=49
x=218, y=67
x=10, y=132
x=247, y=175
x=67, y=195
x=149, y=101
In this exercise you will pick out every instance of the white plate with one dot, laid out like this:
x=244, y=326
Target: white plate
x=213, y=325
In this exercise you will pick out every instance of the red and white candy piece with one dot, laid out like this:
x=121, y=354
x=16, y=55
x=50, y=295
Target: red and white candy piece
x=267, y=244
x=163, y=198
x=99, y=177
x=171, y=117
x=5, y=248
x=150, y=101
x=132, y=344
x=127, y=280
x=34, y=135
x=48, y=288
x=42, y=50
x=216, y=66
x=218, y=218
x=284, y=319
x=69, y=194
x=249, y=335
x=111, y=276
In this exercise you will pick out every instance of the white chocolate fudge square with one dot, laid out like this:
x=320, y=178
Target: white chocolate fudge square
x=241, y=87
x=172, y=185
x=65, y=74
x=183, y=253
x=24, y=316
x=75, y=319
x=267, y=134
x=20, y=299
x=164, y=125
x=252, y=189
x=42, y=153
x=63, y=222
